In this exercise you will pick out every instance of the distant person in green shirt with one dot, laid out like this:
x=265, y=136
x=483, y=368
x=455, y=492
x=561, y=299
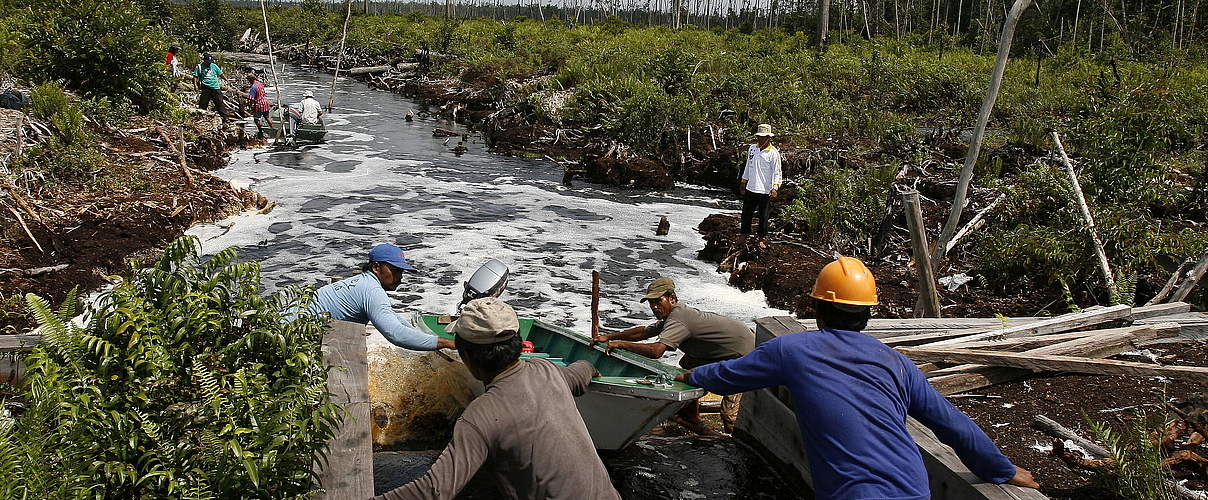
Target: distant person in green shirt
x=207, y=77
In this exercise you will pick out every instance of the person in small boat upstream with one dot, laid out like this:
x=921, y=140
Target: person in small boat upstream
x=704, y=337
x=362, y=299
x=859, y=393
x=307, y=111
x=545, y=454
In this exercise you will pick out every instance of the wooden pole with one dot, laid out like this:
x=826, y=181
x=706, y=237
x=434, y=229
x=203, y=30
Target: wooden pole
x=339, y=58
x=1104, y=267
x=983, y=117
x=595, y=304
x=928, y=304
x=268, y=40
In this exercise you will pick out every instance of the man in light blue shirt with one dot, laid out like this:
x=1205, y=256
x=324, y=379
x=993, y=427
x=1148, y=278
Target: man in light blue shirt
x=362, y=299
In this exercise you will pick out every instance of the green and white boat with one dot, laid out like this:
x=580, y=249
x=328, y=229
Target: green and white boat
x=632, y=395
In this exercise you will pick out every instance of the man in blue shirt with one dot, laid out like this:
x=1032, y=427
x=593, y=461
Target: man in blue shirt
x=362, y=299
x=852, y=395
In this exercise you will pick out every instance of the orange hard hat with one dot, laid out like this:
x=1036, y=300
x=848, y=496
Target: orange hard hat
x=846, y=281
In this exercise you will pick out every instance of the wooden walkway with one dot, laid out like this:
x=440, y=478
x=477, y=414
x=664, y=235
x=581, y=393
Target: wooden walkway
x=349, y=469
x=766, y=419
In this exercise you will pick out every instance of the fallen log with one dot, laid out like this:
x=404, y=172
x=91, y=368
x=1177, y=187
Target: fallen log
x=1098, y=454
x=1054, y=363
x=368, y=70
x=244, y=56
x=1170, y=283
x=34, y=271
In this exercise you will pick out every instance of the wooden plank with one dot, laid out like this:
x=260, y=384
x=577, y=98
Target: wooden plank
x=1193, y=278
x=770, y=426
x=771, y=327
x=1063, y=323
x=19, y=343
x=349, y=469
x=1028, y=343
x=969, y=377
x=928, y=304
x=1054, y=363
x=951, y=480
x=1157, y=310
x=1193, y=325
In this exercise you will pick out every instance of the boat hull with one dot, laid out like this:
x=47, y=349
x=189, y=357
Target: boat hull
x=621, y=404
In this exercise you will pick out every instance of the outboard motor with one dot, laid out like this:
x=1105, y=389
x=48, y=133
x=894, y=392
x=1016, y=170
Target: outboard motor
x=488, y=281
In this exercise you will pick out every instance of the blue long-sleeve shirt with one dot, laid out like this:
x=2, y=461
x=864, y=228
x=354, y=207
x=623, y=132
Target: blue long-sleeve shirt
x=852, y=395
x=361, y=299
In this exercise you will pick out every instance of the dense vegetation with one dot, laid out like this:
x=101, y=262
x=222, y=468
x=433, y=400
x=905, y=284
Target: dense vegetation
x=183, y=381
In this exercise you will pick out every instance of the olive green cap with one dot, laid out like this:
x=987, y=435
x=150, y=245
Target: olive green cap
x=660, y=287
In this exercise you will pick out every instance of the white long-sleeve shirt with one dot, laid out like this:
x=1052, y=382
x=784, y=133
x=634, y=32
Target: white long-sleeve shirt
x=763, y=169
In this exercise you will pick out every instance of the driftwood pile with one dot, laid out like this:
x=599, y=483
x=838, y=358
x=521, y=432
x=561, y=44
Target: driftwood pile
x=964, y=354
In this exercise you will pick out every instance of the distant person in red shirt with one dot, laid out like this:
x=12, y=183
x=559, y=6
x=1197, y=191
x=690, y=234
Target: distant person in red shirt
x=172, y=61
x=260, y=104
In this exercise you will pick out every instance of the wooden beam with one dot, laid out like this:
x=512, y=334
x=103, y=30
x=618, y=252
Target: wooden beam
x=1063, y=323
x=1054, y=363
x=1158, y=310
x=1029, y=343
x=1193, y=278
x=19, y=343
x=967, y=377
x=928, y=303
x=349, y=469
x=244, y=57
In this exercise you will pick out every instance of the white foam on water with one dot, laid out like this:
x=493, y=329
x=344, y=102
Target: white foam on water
x=450, y=214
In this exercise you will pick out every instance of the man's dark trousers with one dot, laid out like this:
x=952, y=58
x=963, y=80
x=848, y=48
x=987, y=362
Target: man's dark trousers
x=752, y=204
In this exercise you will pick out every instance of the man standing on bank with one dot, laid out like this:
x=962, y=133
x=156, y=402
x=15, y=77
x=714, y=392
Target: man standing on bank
x=760, y=180
x=362, y=299
x=207, y=77
x=525, y=426
x=853, y=395
x=704, y=337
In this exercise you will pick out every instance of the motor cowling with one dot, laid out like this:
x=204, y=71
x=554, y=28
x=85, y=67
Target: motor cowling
x=488, y=281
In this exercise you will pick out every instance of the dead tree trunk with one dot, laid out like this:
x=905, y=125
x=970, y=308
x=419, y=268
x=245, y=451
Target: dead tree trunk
x=1086, y=215
x=983, y=117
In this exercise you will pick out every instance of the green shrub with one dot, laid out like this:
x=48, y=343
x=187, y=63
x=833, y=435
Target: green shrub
x=841, y=205
x=1135, y=468
x=49, y=102
x=101, y=48
x=184, y=382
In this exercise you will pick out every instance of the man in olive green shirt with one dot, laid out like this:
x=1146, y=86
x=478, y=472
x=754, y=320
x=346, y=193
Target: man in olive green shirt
x=525, y=427
x=704, y=338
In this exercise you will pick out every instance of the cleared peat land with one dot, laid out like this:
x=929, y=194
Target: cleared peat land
x=1027, y=182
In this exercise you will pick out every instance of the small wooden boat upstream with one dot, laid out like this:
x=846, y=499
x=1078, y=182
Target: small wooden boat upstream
x=632, y=395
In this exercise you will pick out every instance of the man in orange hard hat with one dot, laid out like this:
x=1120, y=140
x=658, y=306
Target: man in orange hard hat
x=855, y=394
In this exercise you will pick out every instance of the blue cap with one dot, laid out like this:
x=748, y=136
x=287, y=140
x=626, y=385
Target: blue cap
x=390, y=254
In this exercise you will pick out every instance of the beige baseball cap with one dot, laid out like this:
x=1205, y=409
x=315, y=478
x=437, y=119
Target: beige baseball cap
x=485, y=321
x=659, y=288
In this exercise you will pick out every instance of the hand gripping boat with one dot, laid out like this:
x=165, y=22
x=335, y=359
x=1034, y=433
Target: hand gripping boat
x=632, y=394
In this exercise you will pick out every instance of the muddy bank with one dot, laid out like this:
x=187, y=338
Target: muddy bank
x=138, y=198
x=1005, y=411
x=785, y=269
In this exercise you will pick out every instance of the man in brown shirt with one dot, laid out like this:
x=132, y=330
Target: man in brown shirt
x=704, y=337
x=525, y=426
